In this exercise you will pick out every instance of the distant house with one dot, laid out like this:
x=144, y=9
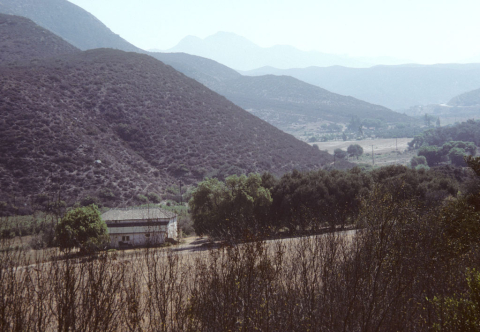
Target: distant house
x=140, y=226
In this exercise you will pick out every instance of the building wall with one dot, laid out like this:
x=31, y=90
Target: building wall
x=137, y=239
x=137, y=235
x=173, y=229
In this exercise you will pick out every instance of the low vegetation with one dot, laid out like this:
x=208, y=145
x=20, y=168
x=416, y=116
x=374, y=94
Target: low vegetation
x=407, y=268
x=447, y=144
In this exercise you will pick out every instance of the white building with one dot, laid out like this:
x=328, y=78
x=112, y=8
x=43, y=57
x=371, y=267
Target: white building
x=140, y=226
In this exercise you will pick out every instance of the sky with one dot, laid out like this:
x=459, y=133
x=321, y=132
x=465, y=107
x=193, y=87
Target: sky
x=422, y=31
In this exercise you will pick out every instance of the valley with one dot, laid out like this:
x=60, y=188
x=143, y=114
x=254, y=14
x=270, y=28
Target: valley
x=167, y=191
x=388, y=151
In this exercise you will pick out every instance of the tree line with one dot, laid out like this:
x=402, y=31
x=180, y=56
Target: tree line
x=446, y=144
x=308, y=202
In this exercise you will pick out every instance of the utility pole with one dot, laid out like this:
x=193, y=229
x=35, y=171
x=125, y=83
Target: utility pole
x=373, y=157
x=181, y=198
x=396, y=152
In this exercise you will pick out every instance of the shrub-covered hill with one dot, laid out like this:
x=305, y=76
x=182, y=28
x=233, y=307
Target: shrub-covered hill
x=63, y=18
x=467, y=99
x=292, y=96
x=106, y=119
x=21, y=39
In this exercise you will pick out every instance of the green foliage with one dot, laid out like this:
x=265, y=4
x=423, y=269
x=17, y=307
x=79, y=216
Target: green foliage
x=474, y=164
x=230, y=209
x=83, y=228
x=460, y=313
x=154, y=198
x=454, y=150
x=418, y=160
x=466, y=131
x=141, y=198
x=432, y=154
x=106, y=194
x=355, y=150
x=422, y=167
x=457, y=156
x=311, y=200
x=306, y=202
x=339, y=153
x=468, y=147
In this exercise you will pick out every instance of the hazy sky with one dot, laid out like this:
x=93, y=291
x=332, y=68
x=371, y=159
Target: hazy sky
x=426, y=31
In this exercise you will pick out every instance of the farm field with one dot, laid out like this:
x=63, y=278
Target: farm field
x=387, y=151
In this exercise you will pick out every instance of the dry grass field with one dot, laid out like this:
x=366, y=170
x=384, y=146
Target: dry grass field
x=388, y=151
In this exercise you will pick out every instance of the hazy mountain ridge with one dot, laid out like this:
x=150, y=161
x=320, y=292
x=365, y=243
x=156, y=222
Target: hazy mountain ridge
x=23, y=40
x=240, y=53
x=293, y=97
x=266, y=96
x=217, y=77
x=395, y=87
x=471, y=98
x=72, y=23
x=146, y=122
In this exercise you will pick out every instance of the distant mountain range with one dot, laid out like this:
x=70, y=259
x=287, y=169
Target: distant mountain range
x=283, y=101
x=314, y=105
x=395, y=87
x=240, y=53
x=113, y=124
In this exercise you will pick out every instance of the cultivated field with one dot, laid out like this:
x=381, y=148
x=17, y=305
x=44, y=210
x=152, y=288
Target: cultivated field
x=387, y=151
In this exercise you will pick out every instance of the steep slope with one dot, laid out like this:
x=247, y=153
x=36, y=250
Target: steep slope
x=68, y=21
x=126, y=123
x=22, y=40
x=395, y=87
x=471, y=98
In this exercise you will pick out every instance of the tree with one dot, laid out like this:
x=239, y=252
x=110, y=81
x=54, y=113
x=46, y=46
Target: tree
x=229, y=209
x=355, y=150
x=460, y=313
x=433, y=154
x=418, y=160
x=339, y=153
x=83, y=228
x=456, y=156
